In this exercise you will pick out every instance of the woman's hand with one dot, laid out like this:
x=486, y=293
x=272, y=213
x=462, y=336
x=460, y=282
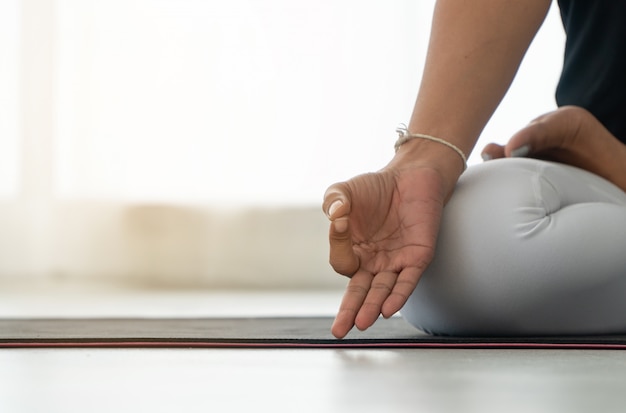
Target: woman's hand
x=384, y=225
x=382, y=235
x=569, y=135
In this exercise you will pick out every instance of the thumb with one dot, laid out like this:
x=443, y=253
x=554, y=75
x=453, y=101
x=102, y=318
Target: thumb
x=337, y=206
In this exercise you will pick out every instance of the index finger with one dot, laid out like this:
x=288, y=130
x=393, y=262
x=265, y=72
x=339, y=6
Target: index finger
x=337, y=202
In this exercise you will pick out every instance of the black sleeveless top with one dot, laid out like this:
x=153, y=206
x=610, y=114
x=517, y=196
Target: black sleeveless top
x=594, y=68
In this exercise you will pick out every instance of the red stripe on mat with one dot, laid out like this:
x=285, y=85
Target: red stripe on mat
x=266, y=333
x=221, y=345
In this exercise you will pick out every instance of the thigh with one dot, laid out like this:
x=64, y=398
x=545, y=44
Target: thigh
x=526, y=247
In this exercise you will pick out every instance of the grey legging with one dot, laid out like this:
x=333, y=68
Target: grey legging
x=526, y=247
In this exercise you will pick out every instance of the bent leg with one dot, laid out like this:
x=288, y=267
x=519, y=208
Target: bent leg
x=526, y=247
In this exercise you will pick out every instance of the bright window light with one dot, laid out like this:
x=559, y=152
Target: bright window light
x=246, y=101
x=9, y=102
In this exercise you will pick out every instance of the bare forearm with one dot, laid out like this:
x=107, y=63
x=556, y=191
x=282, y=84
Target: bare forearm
x=474, y=52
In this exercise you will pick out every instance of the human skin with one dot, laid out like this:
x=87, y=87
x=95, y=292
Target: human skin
x=384, y=225
x=569, y=135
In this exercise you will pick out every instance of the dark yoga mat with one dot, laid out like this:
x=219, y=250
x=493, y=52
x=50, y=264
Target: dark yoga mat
x=296, y=332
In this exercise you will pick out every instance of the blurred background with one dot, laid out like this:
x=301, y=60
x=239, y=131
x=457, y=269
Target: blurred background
x=188, y=143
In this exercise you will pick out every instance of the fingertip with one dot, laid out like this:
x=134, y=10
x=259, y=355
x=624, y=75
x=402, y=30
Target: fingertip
x=365, y=320
x=341, y=327
x=492, y=151
x=519, y=145
x=520, y=151
x=336, y=201
x=390, y=307
x=338, y=332
x=334, y=207
x=340, y=225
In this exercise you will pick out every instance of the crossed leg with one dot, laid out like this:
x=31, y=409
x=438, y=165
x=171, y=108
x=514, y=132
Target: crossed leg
x=526, y=247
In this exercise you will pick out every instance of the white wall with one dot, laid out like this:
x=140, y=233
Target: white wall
x=188, y=143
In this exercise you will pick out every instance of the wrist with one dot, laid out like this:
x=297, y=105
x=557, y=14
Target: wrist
x=423, y=153
x=406, y=136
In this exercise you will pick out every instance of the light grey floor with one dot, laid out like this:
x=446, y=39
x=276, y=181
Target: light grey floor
x=201, y=380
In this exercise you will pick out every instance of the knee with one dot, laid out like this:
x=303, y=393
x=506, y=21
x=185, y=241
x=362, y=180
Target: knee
x=468, y=286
